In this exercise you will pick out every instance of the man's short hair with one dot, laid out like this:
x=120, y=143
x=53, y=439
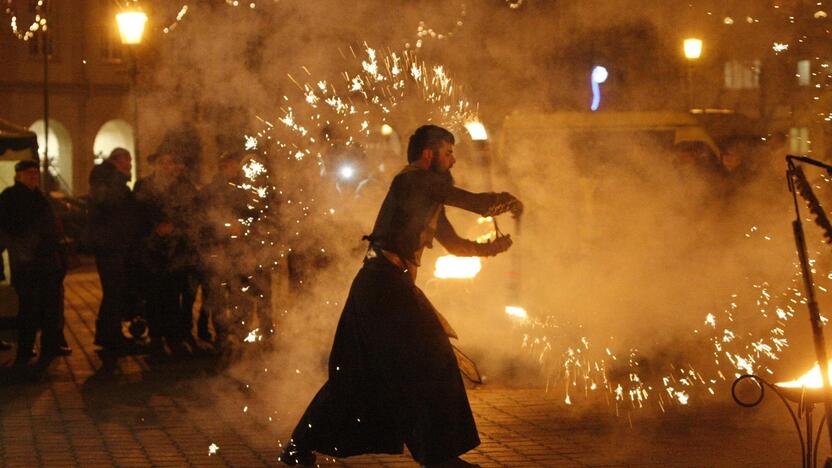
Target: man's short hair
x=25, y=165
x=119, y=153
x=427, y=136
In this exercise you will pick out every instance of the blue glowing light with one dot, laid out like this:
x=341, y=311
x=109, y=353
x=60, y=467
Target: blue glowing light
x=599, y=75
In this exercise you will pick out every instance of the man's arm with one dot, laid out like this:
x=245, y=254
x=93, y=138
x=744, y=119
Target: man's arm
x=442, y=190
x=447, y=236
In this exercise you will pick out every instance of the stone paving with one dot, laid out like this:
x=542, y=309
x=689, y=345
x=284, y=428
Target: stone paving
x=76, y=413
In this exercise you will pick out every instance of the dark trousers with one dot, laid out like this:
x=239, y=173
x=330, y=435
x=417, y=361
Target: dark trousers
x=116, y=302
x=164, y=305
x=41, y=298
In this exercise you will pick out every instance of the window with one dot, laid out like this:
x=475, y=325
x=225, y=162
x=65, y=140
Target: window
x=799, y=140
x=804, y=73
x=742, y=74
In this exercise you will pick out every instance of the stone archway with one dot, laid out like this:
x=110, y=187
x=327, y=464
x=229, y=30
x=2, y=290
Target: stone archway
x=114, y=134
x=60, y=151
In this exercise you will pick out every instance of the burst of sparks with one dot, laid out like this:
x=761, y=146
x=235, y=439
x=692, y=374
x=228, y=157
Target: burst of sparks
x=212, y=449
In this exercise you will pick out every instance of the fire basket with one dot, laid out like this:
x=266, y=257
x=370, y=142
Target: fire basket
x=804, y=393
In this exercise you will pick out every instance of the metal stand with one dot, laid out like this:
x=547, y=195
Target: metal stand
x=799, y=184
x=805, y=407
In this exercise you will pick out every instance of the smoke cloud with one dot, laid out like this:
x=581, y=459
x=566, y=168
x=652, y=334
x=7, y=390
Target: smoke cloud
x=619, y=259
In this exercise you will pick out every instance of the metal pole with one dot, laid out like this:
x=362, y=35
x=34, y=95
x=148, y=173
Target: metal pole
x=134, y=73
x=690, y=85
x=45, y=49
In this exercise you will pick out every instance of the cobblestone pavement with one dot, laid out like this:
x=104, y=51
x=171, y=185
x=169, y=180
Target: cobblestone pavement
x=75, y=414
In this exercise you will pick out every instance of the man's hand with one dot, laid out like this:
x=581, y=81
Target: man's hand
x=515, y=206
x=506, y=202
x=498, y=245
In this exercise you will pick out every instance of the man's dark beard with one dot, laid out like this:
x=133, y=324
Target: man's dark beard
x=434, y=166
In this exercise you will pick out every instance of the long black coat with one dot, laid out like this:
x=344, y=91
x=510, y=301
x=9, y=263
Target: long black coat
x=393, y=377
x=30, y=231
x=393, y=374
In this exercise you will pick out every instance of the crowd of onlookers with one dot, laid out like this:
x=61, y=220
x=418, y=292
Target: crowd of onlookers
x=155, y=247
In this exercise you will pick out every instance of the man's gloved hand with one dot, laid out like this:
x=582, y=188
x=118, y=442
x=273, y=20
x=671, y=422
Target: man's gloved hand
x=498, y=245
x=506, y=202
x=515, y=206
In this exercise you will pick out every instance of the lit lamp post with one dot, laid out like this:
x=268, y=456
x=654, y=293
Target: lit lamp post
x=693, y=50
x=131, y=28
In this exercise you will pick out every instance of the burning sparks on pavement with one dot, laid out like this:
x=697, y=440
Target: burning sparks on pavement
x=453, y=267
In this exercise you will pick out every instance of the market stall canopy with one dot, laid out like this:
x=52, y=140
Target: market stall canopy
x=16, y=142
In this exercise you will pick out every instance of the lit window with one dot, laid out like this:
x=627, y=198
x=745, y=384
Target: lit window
x=804, y=73
x=742, y=74
x=799, y=140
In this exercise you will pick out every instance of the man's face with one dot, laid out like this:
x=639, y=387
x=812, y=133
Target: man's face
x=443, y=157
x=166, y=166
x=124, y=164
x=30, y=178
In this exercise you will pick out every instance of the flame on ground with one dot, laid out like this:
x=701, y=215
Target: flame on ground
x=452, y=267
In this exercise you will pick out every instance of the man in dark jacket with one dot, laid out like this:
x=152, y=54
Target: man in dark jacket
x=113, y=236
x=393, y=375
x=165, y=199
x=32, y=234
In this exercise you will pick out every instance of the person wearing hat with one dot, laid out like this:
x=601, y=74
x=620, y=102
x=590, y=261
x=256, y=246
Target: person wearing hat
x=32, y=234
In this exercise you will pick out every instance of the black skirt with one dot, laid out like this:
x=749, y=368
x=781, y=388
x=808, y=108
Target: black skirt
x=393, y=377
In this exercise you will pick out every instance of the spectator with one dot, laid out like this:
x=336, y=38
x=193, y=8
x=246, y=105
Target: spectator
x=164, y=199
x=223, y=203
x=113, y=237
x=32, y=234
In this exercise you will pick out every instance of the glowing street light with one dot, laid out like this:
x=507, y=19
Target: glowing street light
x=346, y=172
x=131, y=26
x=692, y=48
x=476, y=130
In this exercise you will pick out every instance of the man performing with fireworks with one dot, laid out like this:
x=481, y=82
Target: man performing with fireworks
x=393, y=375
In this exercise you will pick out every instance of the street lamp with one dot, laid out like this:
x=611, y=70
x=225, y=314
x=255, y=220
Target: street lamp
x=131, y=28
x=693, y=50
